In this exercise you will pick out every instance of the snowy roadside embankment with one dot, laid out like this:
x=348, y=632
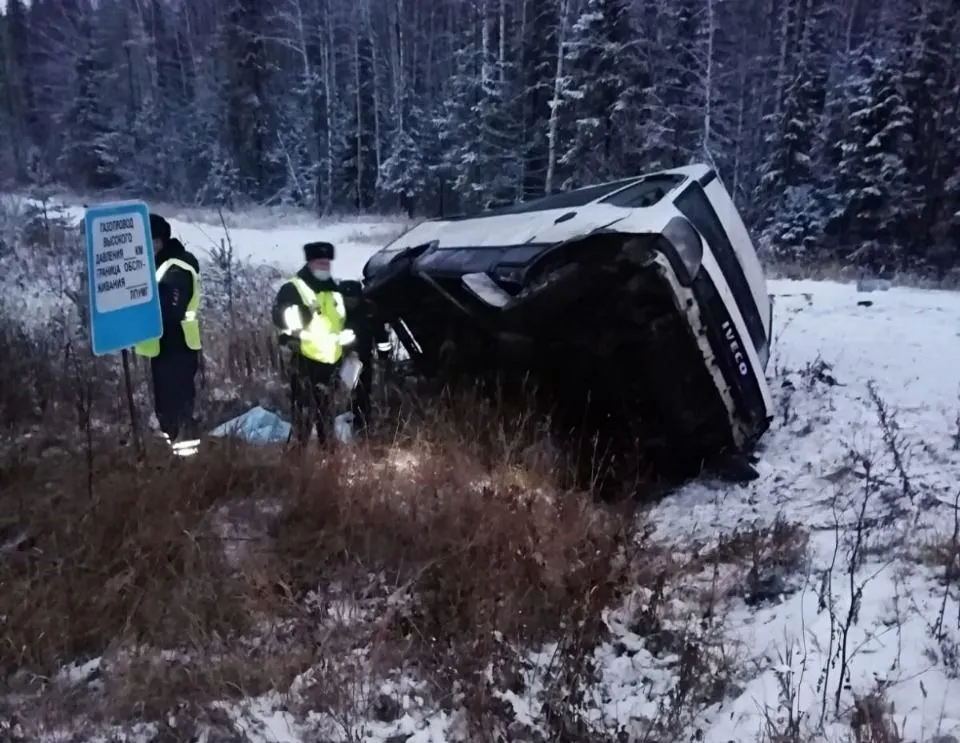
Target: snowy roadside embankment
x=41, y=281
x=864, y=454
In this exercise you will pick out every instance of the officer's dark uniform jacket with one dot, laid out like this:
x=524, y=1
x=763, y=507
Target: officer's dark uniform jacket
x=175, y=357
x=176, y=289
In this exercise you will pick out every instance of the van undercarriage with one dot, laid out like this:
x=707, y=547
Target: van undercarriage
x=593, y=338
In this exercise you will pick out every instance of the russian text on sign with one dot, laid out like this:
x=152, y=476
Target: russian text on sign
x=123, y=275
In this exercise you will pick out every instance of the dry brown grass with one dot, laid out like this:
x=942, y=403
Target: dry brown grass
x=476, y=549
x=143, y=564
x=129, y=561
x=780, y=544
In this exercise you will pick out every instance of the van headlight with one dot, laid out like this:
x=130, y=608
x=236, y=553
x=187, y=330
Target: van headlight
x=687, y=249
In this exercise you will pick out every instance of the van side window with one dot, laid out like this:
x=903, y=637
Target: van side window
x=645, y=193
x=561, y=200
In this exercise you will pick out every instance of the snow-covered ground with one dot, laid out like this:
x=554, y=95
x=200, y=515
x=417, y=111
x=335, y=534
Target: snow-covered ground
x=905, y=345
x=280, y=244
x=862, y=458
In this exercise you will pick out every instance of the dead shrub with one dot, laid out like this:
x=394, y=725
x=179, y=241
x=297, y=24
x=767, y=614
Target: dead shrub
x=943, y=552
x=945, y=555
x=477, y=567
x=779, y=544
x=241, y=356
x=872, y=719
x=131, y=563
x=147, y=685
x=480, y=555
x=757, y=563
x=31, y=368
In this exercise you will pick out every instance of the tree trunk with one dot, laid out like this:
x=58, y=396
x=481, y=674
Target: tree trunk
x=555, y=101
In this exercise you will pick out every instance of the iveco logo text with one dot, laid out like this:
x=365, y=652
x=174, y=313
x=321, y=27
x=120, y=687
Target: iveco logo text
x=738, y=356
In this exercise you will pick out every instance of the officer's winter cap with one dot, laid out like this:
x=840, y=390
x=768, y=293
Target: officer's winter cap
x=159, y=227
x=318, y=251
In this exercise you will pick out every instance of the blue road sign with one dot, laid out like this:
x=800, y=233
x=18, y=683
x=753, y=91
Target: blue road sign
x=124, y=301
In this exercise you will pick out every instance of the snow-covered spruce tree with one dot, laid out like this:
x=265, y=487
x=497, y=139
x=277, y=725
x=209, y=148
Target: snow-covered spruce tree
x=87, y=159
x=356, y=114
x=680, y=89
x=790, y=186
x=405, y=174
x=297, y=33
x=948, y=224
x=480, y=149
x=417, y=70
x=871, y=175
x=165, y=113
x=543, y=26
x=9, y=111
x=214, y=170
x=16, y=93
x=930, y=60
x=250, y=115
x=604, y=89
x=719, y=43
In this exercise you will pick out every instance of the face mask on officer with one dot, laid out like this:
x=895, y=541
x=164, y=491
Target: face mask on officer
x=320, y=269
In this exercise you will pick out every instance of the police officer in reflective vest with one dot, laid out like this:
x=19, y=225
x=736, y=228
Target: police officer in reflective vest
x=175, y=356
x=309, y=313
x=369, y=331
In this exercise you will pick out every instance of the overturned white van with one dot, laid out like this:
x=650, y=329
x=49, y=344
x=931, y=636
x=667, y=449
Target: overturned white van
x=640, y=305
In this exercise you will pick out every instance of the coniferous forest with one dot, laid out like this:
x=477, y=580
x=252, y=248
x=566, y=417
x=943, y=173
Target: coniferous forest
x=835, y=123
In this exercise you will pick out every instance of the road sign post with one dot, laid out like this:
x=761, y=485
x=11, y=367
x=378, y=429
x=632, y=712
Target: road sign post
x=123, y=299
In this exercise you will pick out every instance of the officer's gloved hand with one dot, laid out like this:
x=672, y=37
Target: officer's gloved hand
x=347, y=337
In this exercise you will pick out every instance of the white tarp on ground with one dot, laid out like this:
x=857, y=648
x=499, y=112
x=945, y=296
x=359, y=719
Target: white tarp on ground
x=260, y=426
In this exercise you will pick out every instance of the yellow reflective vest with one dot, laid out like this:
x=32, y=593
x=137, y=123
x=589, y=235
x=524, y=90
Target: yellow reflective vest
x=189, y=323
x=320, y=340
